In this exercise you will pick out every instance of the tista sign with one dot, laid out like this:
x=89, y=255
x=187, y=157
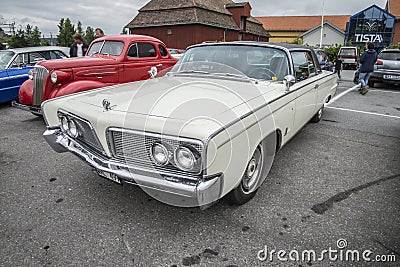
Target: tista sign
x=373, y=38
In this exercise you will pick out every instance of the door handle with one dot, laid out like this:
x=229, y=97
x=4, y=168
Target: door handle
x=316, y=86
x=159, y=65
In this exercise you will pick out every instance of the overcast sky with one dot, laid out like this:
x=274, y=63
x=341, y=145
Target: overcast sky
x=112, y=16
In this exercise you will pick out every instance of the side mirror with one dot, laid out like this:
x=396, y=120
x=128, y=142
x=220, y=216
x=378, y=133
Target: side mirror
x=289, y=80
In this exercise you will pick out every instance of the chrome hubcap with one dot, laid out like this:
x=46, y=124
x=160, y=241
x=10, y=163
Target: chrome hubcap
x=253, y=171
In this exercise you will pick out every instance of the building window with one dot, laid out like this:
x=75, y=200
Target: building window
x=169, y=31
x=243, y=23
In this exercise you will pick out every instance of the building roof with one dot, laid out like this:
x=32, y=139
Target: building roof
x=393, y=7
x=301, y=23
x=318, y=27
x=207, y=12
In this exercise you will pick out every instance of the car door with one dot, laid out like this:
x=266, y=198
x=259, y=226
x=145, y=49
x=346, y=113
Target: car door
x=141, y=58
x=18, y=72
x=306, y=87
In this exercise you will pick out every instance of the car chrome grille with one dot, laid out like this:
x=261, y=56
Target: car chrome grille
x=39, y=80
x=133, y=149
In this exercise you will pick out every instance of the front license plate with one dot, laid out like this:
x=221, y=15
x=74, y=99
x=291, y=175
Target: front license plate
x=391, y=77
x=109, y=176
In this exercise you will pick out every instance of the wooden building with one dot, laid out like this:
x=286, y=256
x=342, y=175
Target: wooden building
x=180, y=24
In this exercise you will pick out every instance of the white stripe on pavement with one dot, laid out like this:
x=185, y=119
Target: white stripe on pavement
x=384, y=91
x=343, y=93
x=365, y=112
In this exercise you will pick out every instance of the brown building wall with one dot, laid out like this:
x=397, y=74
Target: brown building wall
x=396, y=35
x=182, y=36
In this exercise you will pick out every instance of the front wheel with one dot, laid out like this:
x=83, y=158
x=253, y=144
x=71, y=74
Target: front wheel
x=317, y=117
x=248, y=187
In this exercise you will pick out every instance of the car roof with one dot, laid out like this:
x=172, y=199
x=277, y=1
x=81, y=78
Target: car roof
x=266, y=44
x=128, y=37
x=36, y=48
x=390, y=50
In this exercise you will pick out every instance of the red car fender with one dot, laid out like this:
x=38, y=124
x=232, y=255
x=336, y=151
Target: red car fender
x=25, y=93
x=76, y=87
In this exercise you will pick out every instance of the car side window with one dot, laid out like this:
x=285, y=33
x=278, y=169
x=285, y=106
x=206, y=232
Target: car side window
x=133, y=51
x=146, y=50
x=18, y=61
x=163, y=51
x=56, y=55
x=36, y=57
x=303, y=65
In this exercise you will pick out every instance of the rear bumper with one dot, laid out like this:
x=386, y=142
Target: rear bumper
x=35, y=110
x=385, y=77
x=172, y=190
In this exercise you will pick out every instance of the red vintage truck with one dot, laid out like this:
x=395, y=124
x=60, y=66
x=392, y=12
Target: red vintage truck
x=109, y=60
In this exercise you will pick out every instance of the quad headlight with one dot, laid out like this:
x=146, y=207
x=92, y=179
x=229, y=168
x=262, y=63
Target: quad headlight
x=186, y=158
x=183, y=157
x=160, y=154
x=69, y=126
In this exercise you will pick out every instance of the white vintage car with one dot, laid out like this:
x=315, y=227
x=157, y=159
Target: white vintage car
x=209, y=128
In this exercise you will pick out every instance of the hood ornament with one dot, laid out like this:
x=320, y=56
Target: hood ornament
x=107, y=105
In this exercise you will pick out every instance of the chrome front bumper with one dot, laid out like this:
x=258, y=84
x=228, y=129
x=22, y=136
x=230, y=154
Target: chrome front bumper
x=35, y=110
x=168, y=189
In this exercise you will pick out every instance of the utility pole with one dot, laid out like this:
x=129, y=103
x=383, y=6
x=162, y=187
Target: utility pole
x=322, y=25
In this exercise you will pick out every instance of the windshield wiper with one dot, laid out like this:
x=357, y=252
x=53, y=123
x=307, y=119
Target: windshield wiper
x=241, y=76
x=193, y=71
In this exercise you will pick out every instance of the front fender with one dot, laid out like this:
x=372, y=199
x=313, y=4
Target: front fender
x=26, y=92
x=76, y=87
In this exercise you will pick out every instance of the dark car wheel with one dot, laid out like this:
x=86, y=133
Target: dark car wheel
x=248, y=187
x=371, y=84
x=317, y=117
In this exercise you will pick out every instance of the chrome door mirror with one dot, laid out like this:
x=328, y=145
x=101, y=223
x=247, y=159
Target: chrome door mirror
x=289, y=80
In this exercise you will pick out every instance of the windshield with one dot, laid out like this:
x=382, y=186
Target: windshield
x=255, y=62
x=390, y=55
x=5, y=57
x=112, y=48
x=347, y=52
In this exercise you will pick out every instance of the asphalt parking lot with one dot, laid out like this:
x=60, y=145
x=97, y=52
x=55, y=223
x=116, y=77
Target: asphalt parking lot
x=338, y=180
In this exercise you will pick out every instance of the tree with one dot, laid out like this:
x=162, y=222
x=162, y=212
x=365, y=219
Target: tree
x=17, y=40
x=124, y=31
x=65, y=32
x=79, y=28
x=89, y=35
x=34, y=39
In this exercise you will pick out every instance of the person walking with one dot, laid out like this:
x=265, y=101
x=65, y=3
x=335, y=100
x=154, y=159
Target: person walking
x=338, y=67
x=367, y=61
x=78, y=48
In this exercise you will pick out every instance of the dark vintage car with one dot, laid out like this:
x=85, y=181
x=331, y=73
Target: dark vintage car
x=387, y=68
x=16, y=63
x=110, y=60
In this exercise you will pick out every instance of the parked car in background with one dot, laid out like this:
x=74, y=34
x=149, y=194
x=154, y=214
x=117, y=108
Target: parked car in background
x=177, y=53
x=16, y=63
x=323, y=59
x=111, y=60
x=387, y=68
x=350, y=56
x=209, y=128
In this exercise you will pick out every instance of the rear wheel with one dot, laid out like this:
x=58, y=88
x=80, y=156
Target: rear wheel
x=371, y=84
x=248, y=187
x=317, y=117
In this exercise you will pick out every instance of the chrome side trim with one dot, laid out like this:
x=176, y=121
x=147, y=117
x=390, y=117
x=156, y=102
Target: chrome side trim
x=13, y=77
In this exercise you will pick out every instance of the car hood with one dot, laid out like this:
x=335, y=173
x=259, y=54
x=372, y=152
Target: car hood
x=77, y=62
x=180, y=97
